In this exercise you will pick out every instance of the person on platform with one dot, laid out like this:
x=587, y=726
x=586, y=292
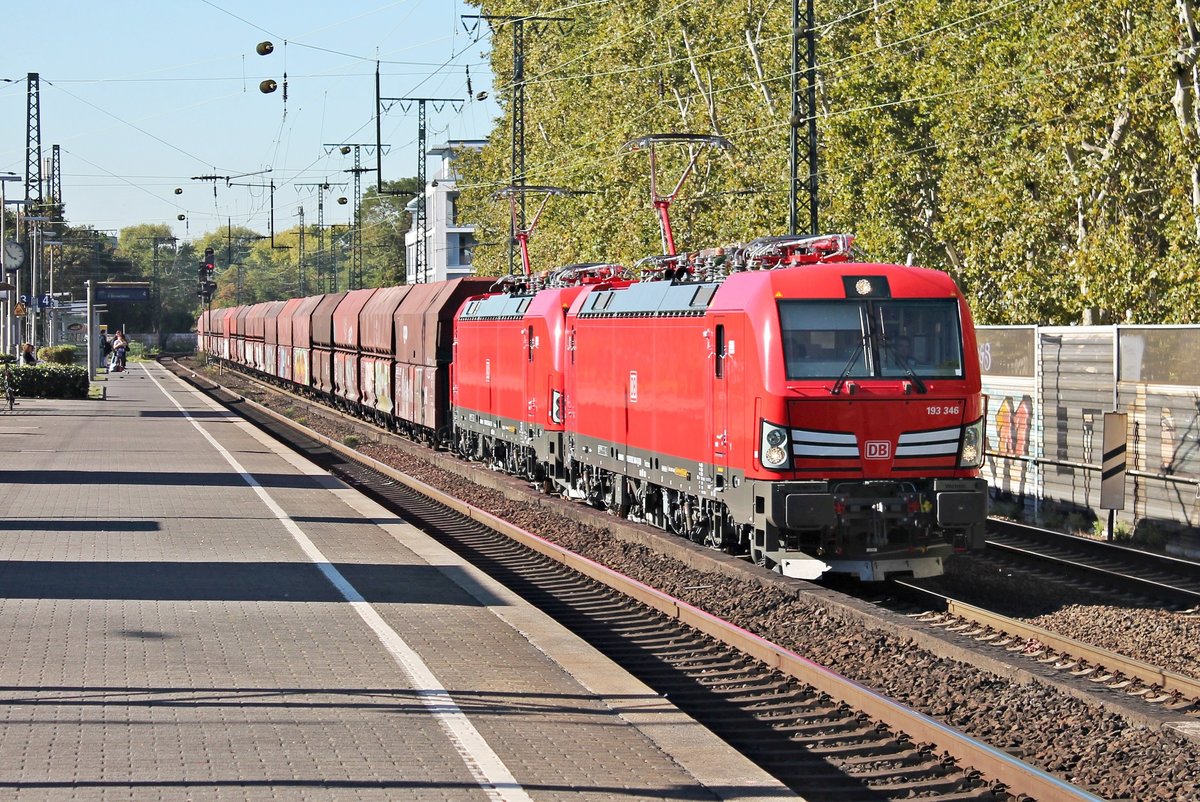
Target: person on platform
x=120, y=346
x=28, y=356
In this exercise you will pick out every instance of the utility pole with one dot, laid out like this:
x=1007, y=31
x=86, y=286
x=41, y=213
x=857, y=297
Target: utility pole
x=33, y=147
x=303, y=291
x=354, y=280
x=229, y=263
x=33, y=195
x=322, y=188
x=518, y=114
x=417, y=275
x=804, y=110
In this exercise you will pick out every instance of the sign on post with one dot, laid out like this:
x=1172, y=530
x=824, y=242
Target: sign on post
x=73, y=329
x=110, y=291
x=1112, y=467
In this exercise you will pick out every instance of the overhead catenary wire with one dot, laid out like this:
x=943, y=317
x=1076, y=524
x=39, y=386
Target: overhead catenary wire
x=570, y=157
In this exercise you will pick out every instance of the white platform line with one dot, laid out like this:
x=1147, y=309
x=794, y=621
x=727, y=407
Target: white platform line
x=484, y=764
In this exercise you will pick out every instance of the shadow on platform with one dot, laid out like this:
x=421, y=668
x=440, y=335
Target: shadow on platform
x=237, y=582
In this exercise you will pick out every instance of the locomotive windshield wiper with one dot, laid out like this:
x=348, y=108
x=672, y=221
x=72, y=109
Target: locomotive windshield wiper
x=841, y=380
x=904, y=363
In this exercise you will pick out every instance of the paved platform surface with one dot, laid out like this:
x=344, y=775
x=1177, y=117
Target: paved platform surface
x=189, y=612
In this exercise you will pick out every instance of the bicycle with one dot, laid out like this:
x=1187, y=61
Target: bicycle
x=10, y=393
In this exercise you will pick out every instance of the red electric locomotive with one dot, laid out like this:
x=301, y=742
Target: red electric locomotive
x=811, y=412
x=507, y=375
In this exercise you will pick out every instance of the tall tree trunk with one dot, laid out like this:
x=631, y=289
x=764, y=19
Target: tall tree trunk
x=1187, y=89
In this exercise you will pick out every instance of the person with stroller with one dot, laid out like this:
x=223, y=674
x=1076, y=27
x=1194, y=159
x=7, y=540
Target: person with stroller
x=120, y=346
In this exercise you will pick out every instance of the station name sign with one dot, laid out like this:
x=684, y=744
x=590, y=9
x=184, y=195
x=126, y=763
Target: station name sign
x=110, y=291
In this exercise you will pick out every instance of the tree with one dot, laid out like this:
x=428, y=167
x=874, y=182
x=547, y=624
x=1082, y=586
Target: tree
x=1044, y=154
x=385, y=221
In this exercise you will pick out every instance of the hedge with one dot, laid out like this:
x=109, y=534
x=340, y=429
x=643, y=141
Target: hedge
x=58, y=354
x=47, y=380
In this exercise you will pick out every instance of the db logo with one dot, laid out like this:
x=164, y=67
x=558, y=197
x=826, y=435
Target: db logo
x=879, y=449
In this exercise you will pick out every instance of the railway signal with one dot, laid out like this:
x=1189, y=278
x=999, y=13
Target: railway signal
x=206, y=286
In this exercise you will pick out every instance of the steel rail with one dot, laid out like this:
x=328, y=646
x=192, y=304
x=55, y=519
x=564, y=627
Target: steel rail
x=1169, y=681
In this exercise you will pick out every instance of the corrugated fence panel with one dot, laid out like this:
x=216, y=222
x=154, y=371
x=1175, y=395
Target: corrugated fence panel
x=1048, y=389
x=1077, y=388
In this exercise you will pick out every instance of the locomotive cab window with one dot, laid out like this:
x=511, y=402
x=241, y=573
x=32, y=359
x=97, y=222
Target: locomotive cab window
x=886, y=338
x=824, y=339
x=918, y=337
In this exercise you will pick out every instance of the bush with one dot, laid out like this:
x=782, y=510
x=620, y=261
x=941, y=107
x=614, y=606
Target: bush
x=1121, y=533
x=1006, y=508
x=49, y=380
x=1149, y=536
x=1078, y=521
x=136, y=350
x=58, y=354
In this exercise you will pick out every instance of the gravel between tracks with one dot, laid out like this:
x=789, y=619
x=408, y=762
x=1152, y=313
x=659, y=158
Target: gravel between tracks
x=1167, y=639
x=1086, y=744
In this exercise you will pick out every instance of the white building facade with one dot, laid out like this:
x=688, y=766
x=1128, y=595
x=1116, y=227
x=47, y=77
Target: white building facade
x=448, y=243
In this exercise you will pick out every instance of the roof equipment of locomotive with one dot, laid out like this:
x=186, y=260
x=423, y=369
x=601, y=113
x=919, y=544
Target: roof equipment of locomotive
x=516, y=197
x=695, y=143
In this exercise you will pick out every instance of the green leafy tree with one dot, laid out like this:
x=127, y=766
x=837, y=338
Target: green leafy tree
x=1046, y=155
x=385, y=221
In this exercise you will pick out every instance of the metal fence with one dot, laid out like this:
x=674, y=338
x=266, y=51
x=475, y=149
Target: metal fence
x=1048, y=389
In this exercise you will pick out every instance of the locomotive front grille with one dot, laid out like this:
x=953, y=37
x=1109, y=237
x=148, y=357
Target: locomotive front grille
x=937, y=443
x=811, y=444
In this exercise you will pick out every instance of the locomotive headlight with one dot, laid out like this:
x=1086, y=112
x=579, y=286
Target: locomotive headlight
x=970, y=455
x=775, y=450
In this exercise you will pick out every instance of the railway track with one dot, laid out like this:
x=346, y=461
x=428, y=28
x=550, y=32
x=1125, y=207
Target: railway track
x=1133, y=679
x=1136, y=578
x=1105, y=565
x=825, y=736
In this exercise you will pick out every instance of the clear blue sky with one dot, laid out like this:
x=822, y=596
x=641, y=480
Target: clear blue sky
x=142, y=95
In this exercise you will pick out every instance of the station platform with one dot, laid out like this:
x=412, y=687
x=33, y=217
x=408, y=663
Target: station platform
x=189, y=611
